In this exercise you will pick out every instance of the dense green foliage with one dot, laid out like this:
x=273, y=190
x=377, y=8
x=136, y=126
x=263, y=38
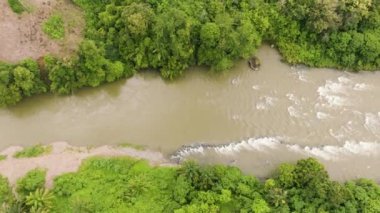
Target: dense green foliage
x=125, y=36
x=40, y=200
x=128, y=185
x=33, y=151
x=172, y=35
x=33, y=180
x=31, y=194
x=5, y=191
x=16, y=6
x=89, y=68
x=54, y=27
x=18, y=81
x=342, y=34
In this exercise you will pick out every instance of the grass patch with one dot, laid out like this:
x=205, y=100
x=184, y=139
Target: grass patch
x=33, y=151
x=3, y=157
x=16, y=6
x=133, y=146
x=54, y=27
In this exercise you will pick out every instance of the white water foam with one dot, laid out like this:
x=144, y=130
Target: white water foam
x=259, y=144
x=188, y=151
x=346, y=131
x=322, y=115
x=337, y=136
x=300, y=71
x=361, y=87
x=337, y=152
x=296, y=109
x=293, y=112
x=256, y=87
x=332, y=93
x=372, y=123
x=268, y=144
x=265, y=102
x=235, y=81
x=293, y=98
x=335, y=93
x=302, y=75
x=345, y=80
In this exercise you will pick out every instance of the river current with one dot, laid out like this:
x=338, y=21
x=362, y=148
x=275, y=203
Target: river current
x=250, y=119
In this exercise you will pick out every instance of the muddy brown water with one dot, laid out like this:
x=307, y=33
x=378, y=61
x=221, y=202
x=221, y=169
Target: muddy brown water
x=251, y=119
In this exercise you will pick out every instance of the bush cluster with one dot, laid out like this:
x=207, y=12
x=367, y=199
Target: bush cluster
x=54, y=27
x=16, y=6
x=343, y=34
x=31, y=195
x=19, y=80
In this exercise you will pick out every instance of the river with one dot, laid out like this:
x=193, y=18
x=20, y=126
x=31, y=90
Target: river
x=251, y=119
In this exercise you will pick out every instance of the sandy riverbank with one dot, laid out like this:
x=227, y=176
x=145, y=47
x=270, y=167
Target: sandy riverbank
x=67, y=158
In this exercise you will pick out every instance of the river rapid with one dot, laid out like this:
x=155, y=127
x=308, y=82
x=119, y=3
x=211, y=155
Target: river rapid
x=251, y=119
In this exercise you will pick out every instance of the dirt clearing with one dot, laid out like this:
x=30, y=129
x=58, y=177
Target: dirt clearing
x=21, y=36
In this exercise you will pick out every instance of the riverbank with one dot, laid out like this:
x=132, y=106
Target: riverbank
x=65, y=158
x=111, y=51
x=316, y=113
x=121, y=184
x=252, y=157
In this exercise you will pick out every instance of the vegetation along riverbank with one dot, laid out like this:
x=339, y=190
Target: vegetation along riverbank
x=124, y=36
x=125, y=184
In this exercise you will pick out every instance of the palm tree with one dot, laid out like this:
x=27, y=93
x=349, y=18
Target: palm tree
x=40, y=201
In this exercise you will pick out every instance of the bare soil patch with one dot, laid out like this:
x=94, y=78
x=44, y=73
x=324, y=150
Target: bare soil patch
x=21, y=36
x=65, y=158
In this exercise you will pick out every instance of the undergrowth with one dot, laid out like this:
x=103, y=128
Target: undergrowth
x=33, y=151
x=54, y=27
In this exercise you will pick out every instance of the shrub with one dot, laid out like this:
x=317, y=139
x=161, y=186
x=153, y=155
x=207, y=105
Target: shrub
x=54, y=27
x=3, y=157
x=5, y=190
x=16, y=6
x=33, y=180
x=67, y=184
x=19, y=80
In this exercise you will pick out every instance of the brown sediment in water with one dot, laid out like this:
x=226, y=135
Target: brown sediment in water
x=328, y=114
x=65, y=158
